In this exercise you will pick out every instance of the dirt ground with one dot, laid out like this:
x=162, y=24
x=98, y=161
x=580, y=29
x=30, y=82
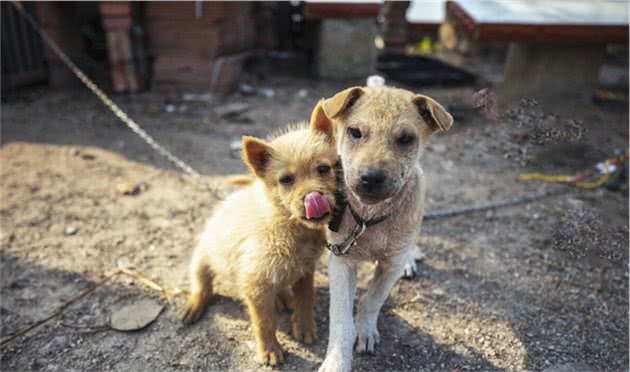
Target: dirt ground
x=542, y=286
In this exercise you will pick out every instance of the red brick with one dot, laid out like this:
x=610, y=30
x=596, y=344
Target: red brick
x=185, y=10
x=115, y=8
x=189, y=39
x=237, y=34
x=226, y=72
x=117, y=22
x=167, y=62
x=185, y=71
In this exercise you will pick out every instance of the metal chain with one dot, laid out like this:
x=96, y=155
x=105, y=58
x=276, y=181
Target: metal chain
x=527, y=198
x=114, y=108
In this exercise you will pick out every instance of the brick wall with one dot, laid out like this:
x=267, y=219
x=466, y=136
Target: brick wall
x=199, y=46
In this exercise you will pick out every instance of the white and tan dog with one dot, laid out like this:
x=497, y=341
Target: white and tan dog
x=380, y=133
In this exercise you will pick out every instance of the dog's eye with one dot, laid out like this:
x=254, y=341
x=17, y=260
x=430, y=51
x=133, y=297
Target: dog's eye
x=354, y=132
x=323, y=170
x=286, y=180
x=405, y=139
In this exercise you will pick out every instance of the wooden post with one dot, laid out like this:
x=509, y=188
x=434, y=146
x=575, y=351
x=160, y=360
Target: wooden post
x=117, y=22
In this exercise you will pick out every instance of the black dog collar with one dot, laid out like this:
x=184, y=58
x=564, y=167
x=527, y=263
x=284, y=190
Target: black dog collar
x=341, y=200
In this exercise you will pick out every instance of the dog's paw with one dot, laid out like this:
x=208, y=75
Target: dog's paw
x=367, y=336
x=410, y=269
x=304, y=330
x=193, y=309
x=270, y=354
x=335, y=362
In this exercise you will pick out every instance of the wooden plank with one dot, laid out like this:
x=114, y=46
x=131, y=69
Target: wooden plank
x=539, y=32
x=203, y=12
x=318, y=10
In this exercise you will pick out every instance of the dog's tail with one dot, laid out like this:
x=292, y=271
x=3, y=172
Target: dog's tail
x=240, y=180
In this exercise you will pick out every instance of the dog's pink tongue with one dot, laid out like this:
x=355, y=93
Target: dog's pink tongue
x=316, y=205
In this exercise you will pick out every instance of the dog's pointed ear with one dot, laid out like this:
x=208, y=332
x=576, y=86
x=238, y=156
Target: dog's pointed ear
x=341, y=102
x=256, y=155
x=433, y=113
x=320, y=122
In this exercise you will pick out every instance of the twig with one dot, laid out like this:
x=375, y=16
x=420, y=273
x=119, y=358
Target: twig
x=60, y=309
x=167, y=293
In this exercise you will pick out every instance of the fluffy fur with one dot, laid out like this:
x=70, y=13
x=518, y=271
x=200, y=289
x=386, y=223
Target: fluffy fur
x=379, y=130
x=259, y=241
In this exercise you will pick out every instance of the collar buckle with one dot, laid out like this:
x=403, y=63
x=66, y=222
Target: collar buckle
x=343, y=248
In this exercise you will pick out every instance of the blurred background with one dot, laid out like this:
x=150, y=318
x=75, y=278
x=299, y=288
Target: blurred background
x=539, y=93
x=210, y=46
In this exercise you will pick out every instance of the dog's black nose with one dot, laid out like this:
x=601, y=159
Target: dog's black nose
x=373, y=179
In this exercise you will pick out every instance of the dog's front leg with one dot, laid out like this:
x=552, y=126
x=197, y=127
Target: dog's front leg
x=260, y=303
x=385, y=276
x=342, y=274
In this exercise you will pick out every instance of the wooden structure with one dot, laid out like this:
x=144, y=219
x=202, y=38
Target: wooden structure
x=22, y=52
x=201, y=45
x=593, y=22
x=343, y=10
x=556, y=48
x=181, y=46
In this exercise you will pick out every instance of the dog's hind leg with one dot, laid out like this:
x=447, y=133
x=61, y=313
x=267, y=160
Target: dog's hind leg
x=385, y=276
x=303, y=323
x=411, y=269
x=200, y=288
x=285, y=300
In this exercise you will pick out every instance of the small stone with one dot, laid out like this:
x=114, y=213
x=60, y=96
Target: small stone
x=193, y=97
x=71, y=230
x=56, y=344
x=439, y=148
x=246, y=89
x=236, y=148
x=131, y=188
x=88, y=157
x=568, y=367
x=123, y=262
x=375, y=81
x=231, y=109
x=267, y=92
x=136, y=316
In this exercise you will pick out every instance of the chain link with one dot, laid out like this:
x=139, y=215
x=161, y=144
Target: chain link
x=527, y=198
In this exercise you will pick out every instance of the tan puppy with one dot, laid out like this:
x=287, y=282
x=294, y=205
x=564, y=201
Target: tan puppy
x=266, y=238
x=381, y=133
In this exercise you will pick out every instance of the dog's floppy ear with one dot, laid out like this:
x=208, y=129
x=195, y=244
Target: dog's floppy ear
x=256, y=154
x=320, y=122
x=341, y=101
x=433, y=113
